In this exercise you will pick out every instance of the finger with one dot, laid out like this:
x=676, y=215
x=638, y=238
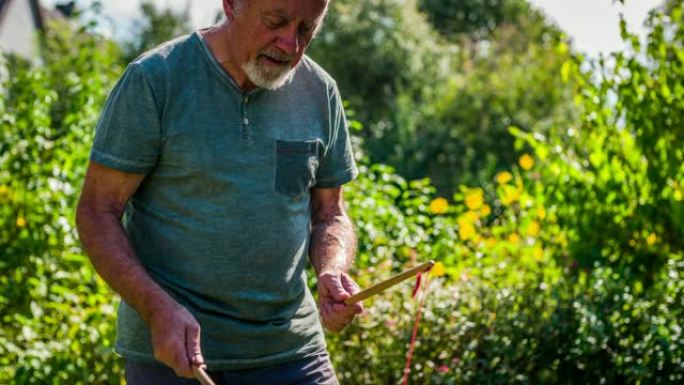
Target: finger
x=329, y=319
x=181, y=365
x=349, y=285
x=340, y=308
x=348, y=309
x=325, y=320
x=169, y=351
x=332, y=324
x=327, y=308
x=192, y=345
x=352, y=288
x=343, y=314
x=335, y=289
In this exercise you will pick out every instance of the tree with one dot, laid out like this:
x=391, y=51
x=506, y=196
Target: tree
x=440, y=105
x=615, y=179
x=156, y=26
x=473, y=18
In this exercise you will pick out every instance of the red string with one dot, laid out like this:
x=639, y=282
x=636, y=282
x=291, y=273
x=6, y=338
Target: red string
x=414, y=334
x=417, y=286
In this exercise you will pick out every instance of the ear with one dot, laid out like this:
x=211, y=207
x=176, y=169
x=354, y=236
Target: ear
x=229, y=9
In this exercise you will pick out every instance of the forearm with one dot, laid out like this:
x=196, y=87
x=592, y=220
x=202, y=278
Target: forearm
x=333, y=243
x=113, y=257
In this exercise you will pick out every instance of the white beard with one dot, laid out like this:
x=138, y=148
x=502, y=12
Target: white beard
x=265, y=77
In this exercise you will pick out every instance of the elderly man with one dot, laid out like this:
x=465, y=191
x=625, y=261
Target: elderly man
x=216, y=170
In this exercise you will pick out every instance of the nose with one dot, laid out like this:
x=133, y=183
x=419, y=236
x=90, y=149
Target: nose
x=288, y=41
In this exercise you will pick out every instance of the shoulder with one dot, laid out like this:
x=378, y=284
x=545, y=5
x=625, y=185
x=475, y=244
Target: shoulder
x=162, y=66
x=165, y=58
x=311, y=72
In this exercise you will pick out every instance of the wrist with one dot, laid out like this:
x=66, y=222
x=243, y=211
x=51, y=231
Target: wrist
x=155, y=302
x=332, y=269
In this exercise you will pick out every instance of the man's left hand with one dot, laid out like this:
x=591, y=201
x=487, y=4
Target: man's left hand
x=333, y=289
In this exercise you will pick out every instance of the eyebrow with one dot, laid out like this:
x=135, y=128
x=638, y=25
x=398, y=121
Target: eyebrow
x=281, y=13
x=277, y=12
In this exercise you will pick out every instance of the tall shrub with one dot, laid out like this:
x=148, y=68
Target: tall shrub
x=56, y=314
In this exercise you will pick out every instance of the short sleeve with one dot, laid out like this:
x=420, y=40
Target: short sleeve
x=338, y=165
x=127, y=135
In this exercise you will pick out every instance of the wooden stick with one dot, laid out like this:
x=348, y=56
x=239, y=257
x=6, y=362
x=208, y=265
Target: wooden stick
x=386, y=284
x=202, y=376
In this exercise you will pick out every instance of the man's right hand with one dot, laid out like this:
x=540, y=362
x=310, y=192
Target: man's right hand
x=176, y=339
x=175, y=332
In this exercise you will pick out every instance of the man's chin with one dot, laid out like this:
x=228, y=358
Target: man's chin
x=269, y=79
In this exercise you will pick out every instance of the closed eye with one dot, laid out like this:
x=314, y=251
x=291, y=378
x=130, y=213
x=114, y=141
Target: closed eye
x=275, y=22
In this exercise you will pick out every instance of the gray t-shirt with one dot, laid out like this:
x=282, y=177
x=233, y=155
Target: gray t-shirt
x=221, y=220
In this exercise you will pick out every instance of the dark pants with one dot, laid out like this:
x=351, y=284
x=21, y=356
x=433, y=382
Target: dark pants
x=315, y=370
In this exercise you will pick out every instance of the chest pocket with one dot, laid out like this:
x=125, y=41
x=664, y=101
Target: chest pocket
x=296, y=165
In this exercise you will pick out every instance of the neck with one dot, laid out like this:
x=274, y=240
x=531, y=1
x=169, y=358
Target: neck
x=222, y=41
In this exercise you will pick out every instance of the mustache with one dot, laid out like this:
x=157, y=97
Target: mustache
x=275, y=54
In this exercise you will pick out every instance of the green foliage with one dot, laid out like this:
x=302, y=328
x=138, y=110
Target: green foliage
x=56, y=314
x=532, y=332
x=573, y=274
x=440, y=108
x=473, y=18
x=466, y=135
x=377, y=51
x=156, y=26
x=507, y=304
x=621, y=169
x=563, y=269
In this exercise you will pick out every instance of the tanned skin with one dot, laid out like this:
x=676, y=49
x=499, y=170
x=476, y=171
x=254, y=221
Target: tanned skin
x=332, y=249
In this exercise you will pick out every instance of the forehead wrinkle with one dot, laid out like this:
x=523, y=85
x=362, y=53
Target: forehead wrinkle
x=282, y=10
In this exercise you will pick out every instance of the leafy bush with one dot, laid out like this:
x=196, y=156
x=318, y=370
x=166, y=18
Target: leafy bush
x=615, y=179
x=56, y=314
x=439, y=106
x=564, y=269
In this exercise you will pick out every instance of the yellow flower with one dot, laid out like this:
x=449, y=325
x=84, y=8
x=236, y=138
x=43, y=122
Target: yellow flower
x=526, y=162
x=538, y=253
x=490, y=242
x=541, y=213
x=466, y=230
x=438, y=270
x=514, y=238
x=474, y=198
x=471, y=216
x=504, y=177
x=511, y=194
x=533, y=229
x=21, y=222
x=485, y=210
x=439, y=206
x=651, y=239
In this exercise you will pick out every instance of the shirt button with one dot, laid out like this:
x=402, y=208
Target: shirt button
x=245, y=121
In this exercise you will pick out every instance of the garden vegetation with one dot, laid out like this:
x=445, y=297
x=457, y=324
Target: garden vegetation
x=548, y=187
